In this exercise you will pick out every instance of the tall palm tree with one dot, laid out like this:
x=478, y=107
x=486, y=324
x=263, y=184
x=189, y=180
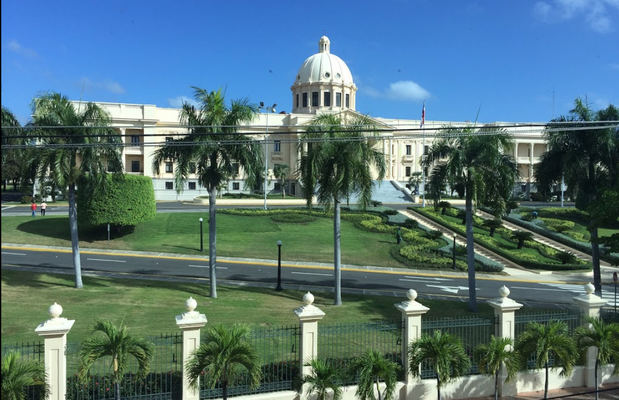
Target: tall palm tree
x=588, y=161
x=214, y=144
x=108, y=340
x=444, y=352
x=373, y=367
x=495, y=355
x=477, y=162
x=280, y=171
x=340, y=165
x=17, y=374
x=225, y=353
x=323, y=379
x=605, y=338
x=74, y=142
x=545, y=341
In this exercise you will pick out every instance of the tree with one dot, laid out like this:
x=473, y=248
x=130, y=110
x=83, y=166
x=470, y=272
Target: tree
x=340, y=166
x=373, y=368
x=495, y=355
x=588, y=160
x=108, y=340
x=444, y=205
x=445, y=354
x=521, y=237
x=74, y=143
x=215, y=146
x=18, y=374
x=280, y=171
x=222, y=357
x=605, y=338
x=493, y=224
x=414, y=181
x=474, y=160
x=324, y=378
x=17, y=163
x=544, y=341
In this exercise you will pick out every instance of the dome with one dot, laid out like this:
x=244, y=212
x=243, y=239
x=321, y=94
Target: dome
x=324, y=67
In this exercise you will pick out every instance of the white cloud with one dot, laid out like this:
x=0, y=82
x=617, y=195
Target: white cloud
x=400, y=90
x=88, y=85
x=595, y=12
x=178, y=101
x=614, y=66
x=15, y=47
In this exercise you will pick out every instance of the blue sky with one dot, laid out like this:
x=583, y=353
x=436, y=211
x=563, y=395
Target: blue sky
x=507, y=59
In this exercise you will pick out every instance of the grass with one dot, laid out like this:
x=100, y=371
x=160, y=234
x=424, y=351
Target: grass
x=148, y=307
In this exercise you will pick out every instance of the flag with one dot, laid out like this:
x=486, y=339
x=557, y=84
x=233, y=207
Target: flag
x=423, y=115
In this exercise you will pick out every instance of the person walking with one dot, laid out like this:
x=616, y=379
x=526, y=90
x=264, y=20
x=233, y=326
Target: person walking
x=33, y=207
x=398, y=236
x=43, y=208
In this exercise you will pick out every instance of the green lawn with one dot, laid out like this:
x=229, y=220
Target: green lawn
x=149, y=307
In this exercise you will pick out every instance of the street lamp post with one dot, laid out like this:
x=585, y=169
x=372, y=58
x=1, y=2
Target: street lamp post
x=266, y=161
x=615, y=281
x=279, y=265
x=453, y=264
x=201, y=236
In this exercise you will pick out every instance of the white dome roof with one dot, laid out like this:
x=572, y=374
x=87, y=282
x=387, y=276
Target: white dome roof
x=324, y=67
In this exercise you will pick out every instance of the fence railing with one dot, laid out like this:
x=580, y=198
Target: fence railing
x=29, y=351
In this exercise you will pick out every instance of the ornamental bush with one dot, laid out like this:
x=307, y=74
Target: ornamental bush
x=119, y=200
x=293, y=218
x=558, y=225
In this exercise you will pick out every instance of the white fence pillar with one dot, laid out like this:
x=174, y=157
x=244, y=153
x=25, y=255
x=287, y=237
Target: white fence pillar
x=411, y=321
x=589, y=305
x=308, y=315
x=190, y=323
x=505, y=314
x=55, y=330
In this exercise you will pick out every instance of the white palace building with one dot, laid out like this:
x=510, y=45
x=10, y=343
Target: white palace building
x=324, y=84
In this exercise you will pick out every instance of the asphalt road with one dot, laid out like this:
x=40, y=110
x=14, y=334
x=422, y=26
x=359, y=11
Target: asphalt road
x=303, y=277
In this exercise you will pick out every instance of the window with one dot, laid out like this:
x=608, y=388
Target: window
x=425, y=149
x=277, y=145
x=409, y=150
x=169, y=185
x=236, y=186
x=338, y=99
x=305, y=99
x=192, y=167
x=192, y=186
x=168, y=139
x=135, y=140
x=315, y=99
x=236, y=168
x=135, y=166
x=327, y=99
x=408, y=171
x=347, y=100
x=168, y=167
x=297, y=101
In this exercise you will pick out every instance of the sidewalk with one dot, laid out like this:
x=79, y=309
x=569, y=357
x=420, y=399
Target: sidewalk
x=567, y=394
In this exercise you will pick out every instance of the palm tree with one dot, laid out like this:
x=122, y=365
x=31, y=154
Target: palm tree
x=588, y=161
x=544, y=341
x=214, y=146
x=474, y=160
x=521, y=237
x=280, y=171
x=445, y=354
x=443, y=205
x=108, y=340
x=414, y=181
x=340, y=166
x=605, y=338
x=15, y=165
x=74, y=143
x=495, y=355
x=222, y=357
x=324, y=378
x=372, y=368
x=17, y=374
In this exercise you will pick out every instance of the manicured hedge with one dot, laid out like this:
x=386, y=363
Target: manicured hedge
x=120, y=200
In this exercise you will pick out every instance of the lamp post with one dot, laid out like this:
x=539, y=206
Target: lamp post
x=201, y=236
x=279, y=265
x=453, y=264
x=615, y=281
x=266, y=161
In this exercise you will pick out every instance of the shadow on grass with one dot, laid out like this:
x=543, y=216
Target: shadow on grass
x=58, y=228
x=41, y=280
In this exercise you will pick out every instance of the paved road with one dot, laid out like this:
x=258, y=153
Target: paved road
x=294, y=276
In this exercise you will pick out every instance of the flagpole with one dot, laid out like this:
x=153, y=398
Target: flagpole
x=423, y=153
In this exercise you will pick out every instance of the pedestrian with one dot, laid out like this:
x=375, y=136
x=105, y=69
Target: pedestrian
x=33, y=207
x=43, y=208
x=398, y=235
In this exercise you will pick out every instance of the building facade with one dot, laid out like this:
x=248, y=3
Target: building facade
x=323, y=84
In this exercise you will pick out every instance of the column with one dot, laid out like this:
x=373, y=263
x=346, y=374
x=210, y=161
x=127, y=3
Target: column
x=411, y=321
x=308, y=315
x=190, y=323
x=54, y=331
x=123, y=152
x=589, y=305
x=505, y=313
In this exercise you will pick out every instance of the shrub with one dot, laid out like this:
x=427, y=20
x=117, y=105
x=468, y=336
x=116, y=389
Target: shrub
x=410, y=224
x=528, y=217
x=434, y=234
x=566, y=257
x=293, y=218
x=558, y=225
x=390, y=212
x=521, y=236
x=119, y=200
x=26, y=199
